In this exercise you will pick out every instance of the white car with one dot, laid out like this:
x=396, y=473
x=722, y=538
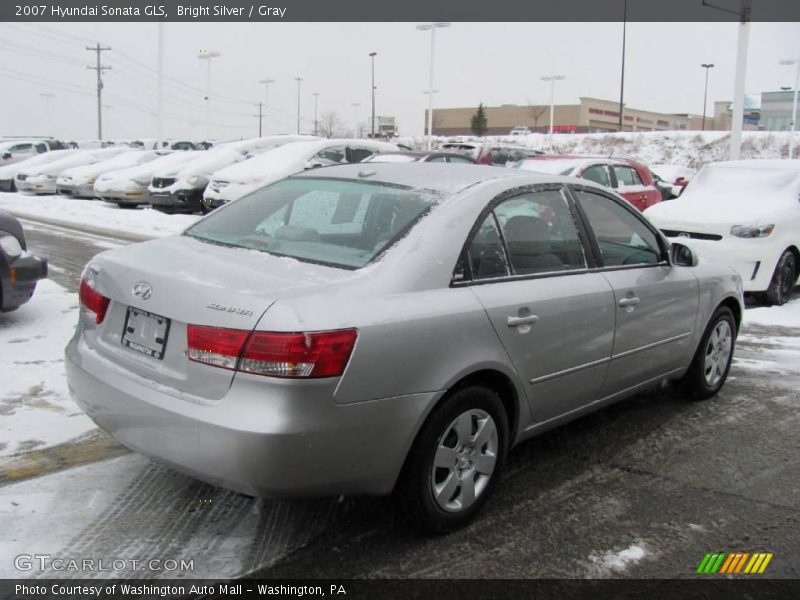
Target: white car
x=129, y=187
x=41, y=179
x=17, y=150
x=79, y=181
x=180, y=188
x=9, y=172
x=745, y=214
x=519, y=130
x=237, y=180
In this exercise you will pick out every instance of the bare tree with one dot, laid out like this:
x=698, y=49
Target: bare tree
x=330, y=125
x=535, y=112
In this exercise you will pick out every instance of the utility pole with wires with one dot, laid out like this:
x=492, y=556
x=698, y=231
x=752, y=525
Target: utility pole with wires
x=99, y=68
x=260, y=116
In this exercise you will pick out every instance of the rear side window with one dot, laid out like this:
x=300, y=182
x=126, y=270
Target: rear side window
x=487, y=257
x=336, y=222
x=626, y=176
x=598, y=174
x=623, y=239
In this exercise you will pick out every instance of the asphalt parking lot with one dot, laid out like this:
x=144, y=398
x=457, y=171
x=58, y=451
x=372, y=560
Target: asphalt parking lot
x=643, y=488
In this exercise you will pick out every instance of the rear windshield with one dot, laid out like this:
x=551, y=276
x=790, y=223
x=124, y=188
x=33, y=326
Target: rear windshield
x=341, y=223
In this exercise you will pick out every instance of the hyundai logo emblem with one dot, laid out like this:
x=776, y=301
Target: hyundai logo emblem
x=142, y=290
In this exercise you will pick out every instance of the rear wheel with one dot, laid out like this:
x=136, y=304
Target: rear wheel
x=783, y=279
x=712, y=361
x=126, y=205
x=456, y=460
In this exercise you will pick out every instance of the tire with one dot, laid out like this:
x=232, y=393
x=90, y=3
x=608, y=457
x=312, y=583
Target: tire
x=712, y=361
x=783, y=279
x=126, y=205
x=477, y=453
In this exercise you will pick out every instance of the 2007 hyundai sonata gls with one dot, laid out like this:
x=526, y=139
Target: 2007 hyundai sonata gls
x=364, y=329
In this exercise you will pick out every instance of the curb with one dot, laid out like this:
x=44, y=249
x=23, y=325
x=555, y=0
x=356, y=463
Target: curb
x=109, y=233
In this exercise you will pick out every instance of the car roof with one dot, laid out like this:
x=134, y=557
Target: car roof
x=441, y=178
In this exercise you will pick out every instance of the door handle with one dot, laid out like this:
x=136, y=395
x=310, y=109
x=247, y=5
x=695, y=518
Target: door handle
x=517, y=321
x=625, y=302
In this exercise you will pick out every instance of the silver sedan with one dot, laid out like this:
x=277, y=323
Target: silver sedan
x=365, y=329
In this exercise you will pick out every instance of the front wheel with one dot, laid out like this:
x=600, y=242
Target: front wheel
x=456, y=460
x=712, y=361
x=783, y=279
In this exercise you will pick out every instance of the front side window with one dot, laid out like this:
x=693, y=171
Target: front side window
x=21, y=148
x=339, y=223
x=330, y=156
x=626, y=176
x=623, y=239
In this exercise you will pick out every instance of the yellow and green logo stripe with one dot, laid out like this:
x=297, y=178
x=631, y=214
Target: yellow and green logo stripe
x=734, y=563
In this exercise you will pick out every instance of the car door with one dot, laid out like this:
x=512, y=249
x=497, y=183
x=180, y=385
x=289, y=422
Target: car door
x=554, y=317
x=655, y=303
x=629, y=185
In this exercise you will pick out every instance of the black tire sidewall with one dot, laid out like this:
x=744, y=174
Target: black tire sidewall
x=416, y=495
x=695, y=378
x=775, y=293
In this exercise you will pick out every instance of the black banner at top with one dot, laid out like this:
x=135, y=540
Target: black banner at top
x=407, y=10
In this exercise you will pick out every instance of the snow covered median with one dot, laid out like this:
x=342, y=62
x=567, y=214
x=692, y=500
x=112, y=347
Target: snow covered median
x=94, y=216
x=35, y=407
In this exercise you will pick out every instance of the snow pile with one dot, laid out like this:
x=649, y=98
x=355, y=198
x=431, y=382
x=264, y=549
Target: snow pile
x=686, y=148
x=96, y=216
x=787, y=315
x=35, y=407
x=617, y=562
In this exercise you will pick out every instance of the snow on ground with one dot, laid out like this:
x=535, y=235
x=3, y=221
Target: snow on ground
x=35, y=408
x=614, y=563
x=685, y=148
x=787, y=315
x=95, y=215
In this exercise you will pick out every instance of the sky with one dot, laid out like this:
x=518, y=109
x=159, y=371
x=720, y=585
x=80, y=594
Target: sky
x=493, y=63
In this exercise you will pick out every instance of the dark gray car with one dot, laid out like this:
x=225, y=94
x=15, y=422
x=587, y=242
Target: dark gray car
x=377, y=327
x=19, y=269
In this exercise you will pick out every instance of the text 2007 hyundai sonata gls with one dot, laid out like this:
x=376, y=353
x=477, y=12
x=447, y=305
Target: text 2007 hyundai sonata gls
x=364, y=329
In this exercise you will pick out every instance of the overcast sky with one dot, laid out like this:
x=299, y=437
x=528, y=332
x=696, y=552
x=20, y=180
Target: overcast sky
x=493, y=63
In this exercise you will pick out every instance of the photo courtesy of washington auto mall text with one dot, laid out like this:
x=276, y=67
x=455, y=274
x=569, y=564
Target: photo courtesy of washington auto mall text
x=397, y=300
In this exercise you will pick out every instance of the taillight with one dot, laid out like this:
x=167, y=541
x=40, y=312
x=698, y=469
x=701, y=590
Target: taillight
x=94, y=301
x=215, y=346
x=316, y=354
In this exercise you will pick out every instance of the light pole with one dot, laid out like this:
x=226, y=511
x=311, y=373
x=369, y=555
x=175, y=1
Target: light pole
x=795, y=62
x=552, y=79
x=208, y=55
x=432, y=27
x=298, y=80
x=316, y=102
x=372, y=128
x=705, y=94
x=622, y=68
x=355, y=106
x=265, y=83
x=47, y=97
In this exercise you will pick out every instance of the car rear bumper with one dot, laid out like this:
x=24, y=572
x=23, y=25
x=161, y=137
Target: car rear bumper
x=19, y=282
x=294, y=442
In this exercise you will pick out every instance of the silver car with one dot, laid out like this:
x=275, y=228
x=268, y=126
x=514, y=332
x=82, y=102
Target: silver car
x=368, y=328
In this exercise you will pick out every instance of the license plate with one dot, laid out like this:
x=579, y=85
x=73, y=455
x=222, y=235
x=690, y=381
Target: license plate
x=145, y=332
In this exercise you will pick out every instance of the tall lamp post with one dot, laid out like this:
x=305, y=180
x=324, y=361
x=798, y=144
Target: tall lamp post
x=316, y=102
x=552, y=79
x=372, y=128
x=795, y=62
x=298, y=80
x=265, y=83
x=705, y=93
x=208, y=55
x=432, y=27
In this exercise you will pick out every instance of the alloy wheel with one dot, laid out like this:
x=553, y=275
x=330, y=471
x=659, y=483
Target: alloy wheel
x=718, y=352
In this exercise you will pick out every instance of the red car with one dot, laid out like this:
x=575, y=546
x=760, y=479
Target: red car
x=631, y=180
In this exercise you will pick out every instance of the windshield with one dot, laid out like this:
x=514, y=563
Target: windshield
x=340, y=223
x=740, y=178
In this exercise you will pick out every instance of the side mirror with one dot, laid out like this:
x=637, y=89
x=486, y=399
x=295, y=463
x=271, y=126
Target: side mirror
x=682, y=256
x=7, y=155
x=312, y=164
